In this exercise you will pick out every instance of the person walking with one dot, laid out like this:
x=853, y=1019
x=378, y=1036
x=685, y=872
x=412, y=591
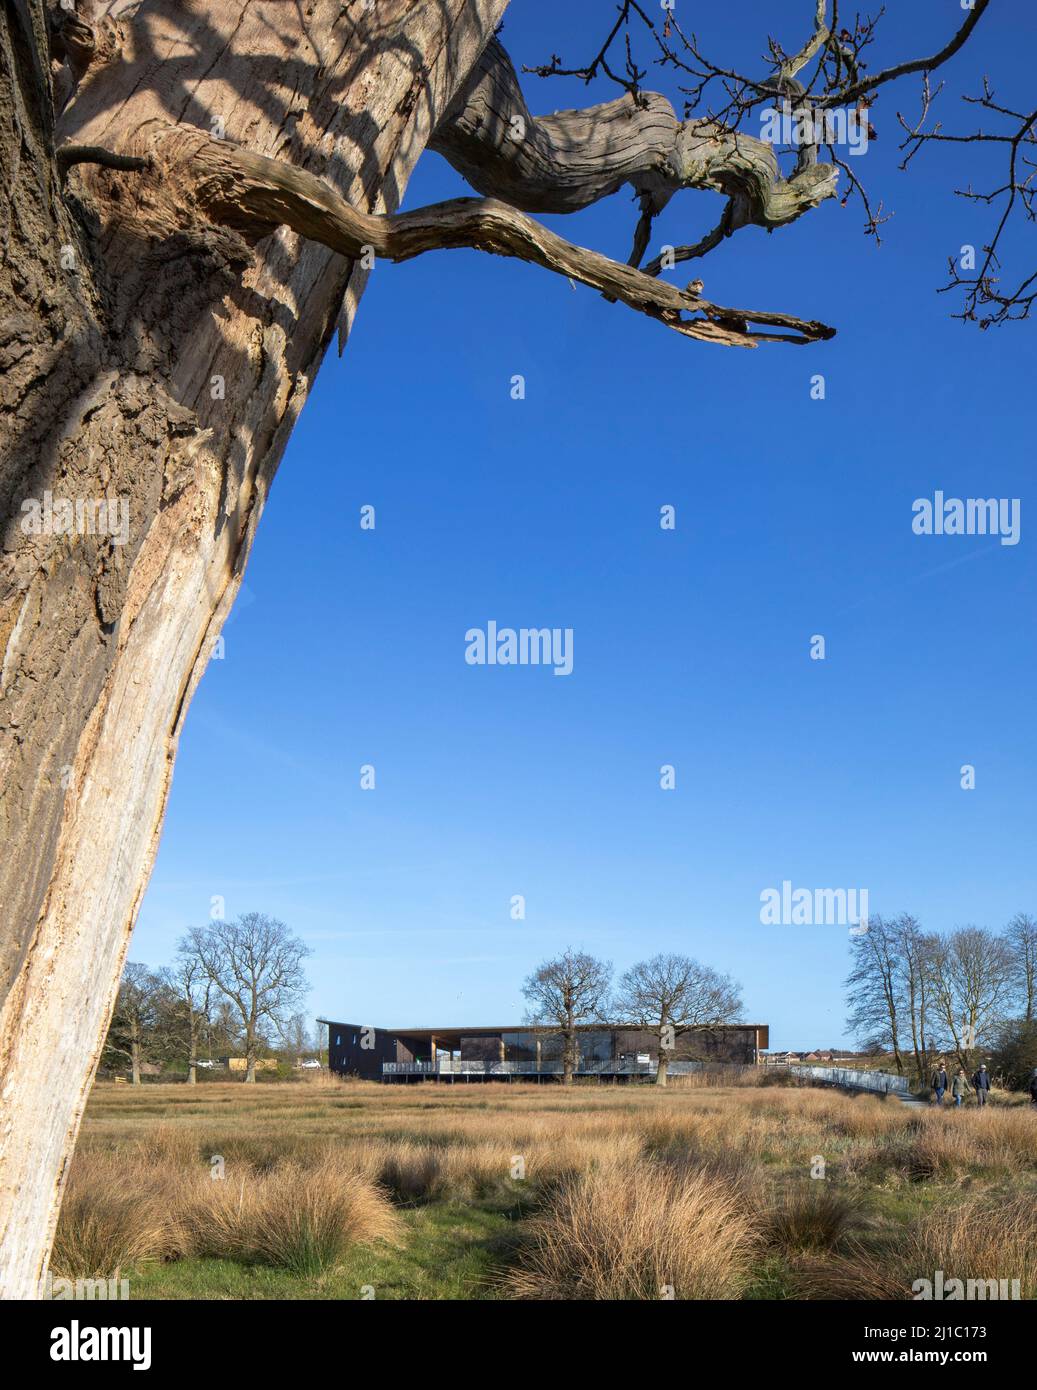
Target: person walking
x=939, y=1082
x=959, y=1086
x=981, y=1083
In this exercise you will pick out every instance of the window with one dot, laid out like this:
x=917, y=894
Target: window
x=595, y=1047
x=519, y=1047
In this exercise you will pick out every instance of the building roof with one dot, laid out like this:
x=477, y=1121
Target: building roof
x=474, y=1032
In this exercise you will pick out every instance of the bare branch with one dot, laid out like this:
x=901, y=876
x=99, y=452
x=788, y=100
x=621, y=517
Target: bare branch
x=254, y=195
x=869, y=84
x=838, y=79
x=818, y=39
x=984, y=302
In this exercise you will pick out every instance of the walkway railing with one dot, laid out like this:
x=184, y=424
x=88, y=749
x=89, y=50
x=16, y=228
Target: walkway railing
x=880, y=1082
x=453, y=1066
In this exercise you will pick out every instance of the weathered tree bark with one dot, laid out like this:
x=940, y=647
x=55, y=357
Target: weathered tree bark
x=570, y=159
x=178, y=243
x=149, y=356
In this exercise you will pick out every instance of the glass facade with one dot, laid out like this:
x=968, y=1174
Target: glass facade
x=595, y=1047
x=520, y=1047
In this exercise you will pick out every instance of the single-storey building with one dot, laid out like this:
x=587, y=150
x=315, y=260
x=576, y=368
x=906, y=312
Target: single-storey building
x=528, y=1052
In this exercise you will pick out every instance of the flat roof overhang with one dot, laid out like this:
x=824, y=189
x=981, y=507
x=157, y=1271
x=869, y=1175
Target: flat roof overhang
x=454, y=1032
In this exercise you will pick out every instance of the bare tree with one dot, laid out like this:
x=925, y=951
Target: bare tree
x=671, y=994
x=915, y=953
x=973, y=978
x=218, y=1028
x=193, y=987
x=257, y=964
x=565, y=992
x=875, y=987
x=134, y=1030
x=296, y=1039
x=192, y=198
x=1021, y=938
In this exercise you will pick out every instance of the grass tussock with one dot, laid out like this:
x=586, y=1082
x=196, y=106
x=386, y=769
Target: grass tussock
x=111, y=1220
x=124, y=1211
x=817, y=1217
x=303, y=1220
x=638, y=1232
x=979, y=1239
x=983, y=1240
x=952, y=1146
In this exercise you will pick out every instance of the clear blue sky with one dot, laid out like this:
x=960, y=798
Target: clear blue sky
x=346, y=647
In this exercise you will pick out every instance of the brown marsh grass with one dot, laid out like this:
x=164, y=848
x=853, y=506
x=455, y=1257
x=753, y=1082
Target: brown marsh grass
x=984, y=1238
x=132, y=1209
x=647, y=1231
x=612, y=1191
x=302, y=1219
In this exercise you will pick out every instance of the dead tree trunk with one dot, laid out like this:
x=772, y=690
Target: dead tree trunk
x=186, y=212
x=152, y=357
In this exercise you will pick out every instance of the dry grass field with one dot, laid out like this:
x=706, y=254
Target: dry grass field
x=334, y=1189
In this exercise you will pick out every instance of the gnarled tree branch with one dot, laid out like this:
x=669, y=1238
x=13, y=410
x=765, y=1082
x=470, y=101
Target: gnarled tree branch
x=568, y=160
x=253, y=195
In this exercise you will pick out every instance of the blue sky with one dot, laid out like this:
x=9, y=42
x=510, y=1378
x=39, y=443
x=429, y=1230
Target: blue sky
x=691, y=647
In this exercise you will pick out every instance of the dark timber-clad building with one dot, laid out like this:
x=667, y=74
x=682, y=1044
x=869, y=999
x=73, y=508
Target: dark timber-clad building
x=607, y=1051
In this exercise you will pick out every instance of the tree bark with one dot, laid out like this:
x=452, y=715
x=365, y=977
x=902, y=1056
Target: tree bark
x=149, y=356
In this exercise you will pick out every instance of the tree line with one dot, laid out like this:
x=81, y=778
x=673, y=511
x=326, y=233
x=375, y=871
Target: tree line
x=924, y=995
x=664, y=996
x=234, y=987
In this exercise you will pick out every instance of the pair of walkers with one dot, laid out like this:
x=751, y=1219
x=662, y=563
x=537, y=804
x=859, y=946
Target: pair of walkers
x=959, y=1086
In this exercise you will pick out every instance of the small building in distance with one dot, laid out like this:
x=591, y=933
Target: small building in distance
x=241, y=1063
x=521, y=1051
